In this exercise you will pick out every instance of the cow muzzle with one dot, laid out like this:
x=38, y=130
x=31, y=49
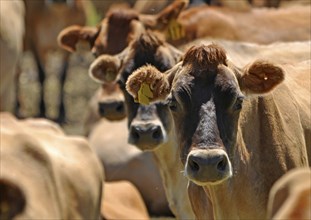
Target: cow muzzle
x=146, y=136
x=208, y=166
x=112, y=110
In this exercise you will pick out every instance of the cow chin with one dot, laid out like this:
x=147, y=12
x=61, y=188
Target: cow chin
x=208, y=167
x=146, y=145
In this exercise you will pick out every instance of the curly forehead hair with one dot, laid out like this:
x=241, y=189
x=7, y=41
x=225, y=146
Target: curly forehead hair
x=205, y=57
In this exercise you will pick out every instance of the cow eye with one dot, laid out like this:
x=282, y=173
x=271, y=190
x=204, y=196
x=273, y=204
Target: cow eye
x=172, y=104
x=238, y=103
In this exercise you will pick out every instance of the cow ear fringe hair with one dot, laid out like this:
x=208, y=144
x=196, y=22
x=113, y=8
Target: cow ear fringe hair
x=151, y=76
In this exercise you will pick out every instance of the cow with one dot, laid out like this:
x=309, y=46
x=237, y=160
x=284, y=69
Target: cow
x=12, y=14
x=238, y=129
x=149, y=127
x=44, y=20
x=106, y=128
x=290, y=196
x=46, y=174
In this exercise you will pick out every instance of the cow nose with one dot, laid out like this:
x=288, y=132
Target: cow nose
x=146, y=136
x=208, y=166
x=112, y=110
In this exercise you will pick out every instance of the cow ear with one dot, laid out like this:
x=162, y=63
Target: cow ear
x=12, y=200
x=148, y=84
x=69, y=37
x=162, y=20
x=105, y=68
x=261, y=77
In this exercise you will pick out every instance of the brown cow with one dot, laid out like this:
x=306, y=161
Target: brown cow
x=290, y=196
x=238, y=129
x=46, y=174
x=149, y=127
x=108, y=137
x=11, y=43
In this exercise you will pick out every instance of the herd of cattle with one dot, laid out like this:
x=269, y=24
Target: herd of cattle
x=202, y=112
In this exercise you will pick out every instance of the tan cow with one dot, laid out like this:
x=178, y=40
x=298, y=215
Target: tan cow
x=12, y=29
x=46, y=174
x=107, y=134
x=149, y=127
x=290, y=196
x=238, y=129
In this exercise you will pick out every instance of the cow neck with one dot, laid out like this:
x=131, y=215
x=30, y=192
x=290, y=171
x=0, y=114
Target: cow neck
x=175, y=183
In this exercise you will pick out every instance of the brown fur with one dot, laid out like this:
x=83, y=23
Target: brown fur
x=261, y=77
x=151, y=76
x=205, y=57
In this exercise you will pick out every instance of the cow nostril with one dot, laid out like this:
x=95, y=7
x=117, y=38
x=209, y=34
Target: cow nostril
x=101, y=109
x=157, y=133
x=120, y=108
x=194, y=166
x=222, y=165
x=135, y=134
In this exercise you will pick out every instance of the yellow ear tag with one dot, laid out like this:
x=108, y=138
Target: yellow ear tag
x=144, y=94
x=175, y=30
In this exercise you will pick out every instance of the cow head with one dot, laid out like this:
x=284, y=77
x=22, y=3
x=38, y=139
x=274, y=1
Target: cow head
x=118, y=29
x=148, y=124
x=205, y=94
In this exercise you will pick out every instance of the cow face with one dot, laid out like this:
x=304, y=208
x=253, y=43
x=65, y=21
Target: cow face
x=148, y=124
x=205, y=95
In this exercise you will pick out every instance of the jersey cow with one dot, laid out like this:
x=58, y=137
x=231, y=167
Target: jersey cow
x=46, y=174
x=238, y=129
x=150, y=128
x=107, y=134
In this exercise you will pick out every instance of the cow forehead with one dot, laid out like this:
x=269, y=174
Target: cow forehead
x=222, y=77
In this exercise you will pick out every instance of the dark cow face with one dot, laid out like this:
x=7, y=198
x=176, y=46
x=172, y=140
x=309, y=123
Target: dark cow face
x=148, y=124
x=205, y=96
